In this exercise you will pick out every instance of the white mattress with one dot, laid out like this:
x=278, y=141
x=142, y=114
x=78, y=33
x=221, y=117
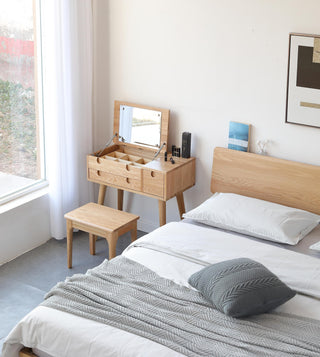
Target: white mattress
x=54, y=333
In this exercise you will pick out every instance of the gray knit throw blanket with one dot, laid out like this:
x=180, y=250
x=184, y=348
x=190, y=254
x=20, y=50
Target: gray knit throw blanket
x=126, y=295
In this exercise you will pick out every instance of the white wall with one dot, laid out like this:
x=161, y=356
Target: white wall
x=24, y=228
x=209, y=62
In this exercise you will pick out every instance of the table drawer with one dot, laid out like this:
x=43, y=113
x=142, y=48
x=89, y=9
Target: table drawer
x=107, y=178
x=153, y=182
x=114, y=167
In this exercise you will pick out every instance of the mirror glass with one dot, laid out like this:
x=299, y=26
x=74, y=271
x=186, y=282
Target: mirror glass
x=139, y=126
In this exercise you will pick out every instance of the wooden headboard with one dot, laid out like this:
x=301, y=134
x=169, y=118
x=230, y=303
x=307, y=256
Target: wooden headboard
x=281, y=181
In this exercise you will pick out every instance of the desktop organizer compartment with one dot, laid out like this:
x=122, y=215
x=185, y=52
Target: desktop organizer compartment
x=126, y=158
x=118, y=167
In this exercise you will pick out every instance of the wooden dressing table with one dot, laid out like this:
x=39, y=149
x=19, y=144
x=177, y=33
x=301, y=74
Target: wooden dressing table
x=130, y=166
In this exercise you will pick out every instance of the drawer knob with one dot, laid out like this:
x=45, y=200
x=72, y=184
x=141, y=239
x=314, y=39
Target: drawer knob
x=98, y=160
x=152, y=174
x=127, y=167
x=98, y=173
x=127, y=179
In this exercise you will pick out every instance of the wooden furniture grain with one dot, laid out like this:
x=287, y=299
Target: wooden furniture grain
x=101, y=221
x=276, y=180
x=289, y=183
x=131, y=167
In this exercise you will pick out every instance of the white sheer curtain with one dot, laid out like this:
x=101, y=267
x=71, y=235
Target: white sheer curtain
x=67, y=60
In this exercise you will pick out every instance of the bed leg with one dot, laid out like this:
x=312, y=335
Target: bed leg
x=26, y=352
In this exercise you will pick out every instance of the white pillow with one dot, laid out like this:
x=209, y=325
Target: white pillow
x=315, y=246
x=254, y=217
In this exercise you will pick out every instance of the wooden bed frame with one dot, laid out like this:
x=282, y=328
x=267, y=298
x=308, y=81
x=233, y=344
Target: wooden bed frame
x=280, y=181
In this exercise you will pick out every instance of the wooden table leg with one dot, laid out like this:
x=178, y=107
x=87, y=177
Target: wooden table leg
x=162, y=212
x=92, y=243
x=69, y=242
x=134, y=233
x=102, y=194
x=180, y=201
x=120, y=199
x=112, y=244
x=92, y=237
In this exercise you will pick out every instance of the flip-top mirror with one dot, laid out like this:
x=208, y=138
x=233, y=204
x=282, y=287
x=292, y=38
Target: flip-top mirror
x=141, y=125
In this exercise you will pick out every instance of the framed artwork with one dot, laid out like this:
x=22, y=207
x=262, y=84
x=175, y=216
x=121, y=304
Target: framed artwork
x=303, y=85
x=239, y=135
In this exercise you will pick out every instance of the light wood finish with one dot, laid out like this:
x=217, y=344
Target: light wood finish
x=92, y=243
x=280, y=181
x=102, y=194
x=157, y=178
x=69, y=241
x=131, y=167
x=112, y=180
x=153, y=182
x=180, y=201
x=180, y=177
x=100, y=221
x=310, y=105
x=316, y=50
x=162, y=212
x=92, y=237
x=26, y=352
x=165, y=117
x=120, y=199
x=116, y=167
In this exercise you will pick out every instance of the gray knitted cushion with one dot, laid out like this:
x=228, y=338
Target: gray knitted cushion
x=241, y=287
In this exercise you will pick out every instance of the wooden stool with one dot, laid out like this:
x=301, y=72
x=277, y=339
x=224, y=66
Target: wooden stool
x=100, y=221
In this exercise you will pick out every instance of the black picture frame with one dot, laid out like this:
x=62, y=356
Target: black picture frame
x=303, y=81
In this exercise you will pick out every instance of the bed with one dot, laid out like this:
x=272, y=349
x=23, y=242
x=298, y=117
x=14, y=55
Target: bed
x=178, y=250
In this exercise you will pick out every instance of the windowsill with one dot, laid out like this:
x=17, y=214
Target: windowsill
x=29, y=194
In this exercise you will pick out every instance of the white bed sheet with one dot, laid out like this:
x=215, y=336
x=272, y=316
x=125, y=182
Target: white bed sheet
x=55, y=333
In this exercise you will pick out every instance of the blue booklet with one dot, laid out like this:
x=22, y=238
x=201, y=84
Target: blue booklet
x=239, y=134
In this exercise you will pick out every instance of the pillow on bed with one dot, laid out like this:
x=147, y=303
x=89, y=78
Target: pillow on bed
x=315, y=246
x=254, y=217
x=241, y=287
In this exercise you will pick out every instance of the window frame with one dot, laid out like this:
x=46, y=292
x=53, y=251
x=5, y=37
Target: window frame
x=39, y=113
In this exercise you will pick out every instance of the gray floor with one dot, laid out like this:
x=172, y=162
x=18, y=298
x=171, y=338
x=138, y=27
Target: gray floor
x=25, y=280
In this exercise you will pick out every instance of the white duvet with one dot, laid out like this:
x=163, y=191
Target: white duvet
x=54, y=333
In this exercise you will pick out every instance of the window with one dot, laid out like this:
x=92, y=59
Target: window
x=21, y=134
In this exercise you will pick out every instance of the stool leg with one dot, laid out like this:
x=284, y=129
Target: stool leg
x=92, y=243
x=134, y=233
x=112, y=243
x=69, y=242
